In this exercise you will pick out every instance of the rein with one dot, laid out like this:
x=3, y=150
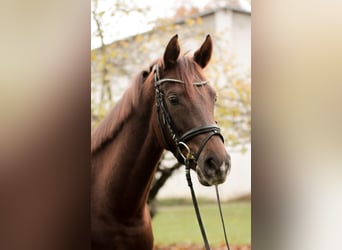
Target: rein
x=180, y=142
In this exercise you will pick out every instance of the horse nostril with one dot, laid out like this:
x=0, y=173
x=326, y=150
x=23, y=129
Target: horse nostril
x=209, y=162
x=216, y=168
x=211, y=167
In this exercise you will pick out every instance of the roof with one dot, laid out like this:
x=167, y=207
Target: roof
x=240, y=6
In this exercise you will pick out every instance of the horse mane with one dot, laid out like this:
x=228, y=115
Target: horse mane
x=114, y=121
x=187, y=69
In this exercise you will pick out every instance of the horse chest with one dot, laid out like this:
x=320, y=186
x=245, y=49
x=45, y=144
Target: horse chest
x=123, y=235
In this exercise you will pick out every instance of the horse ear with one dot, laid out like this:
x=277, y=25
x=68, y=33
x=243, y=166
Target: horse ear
x=202, y=55
x=171, y=52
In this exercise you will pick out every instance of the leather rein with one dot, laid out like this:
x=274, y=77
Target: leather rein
x=181, y=146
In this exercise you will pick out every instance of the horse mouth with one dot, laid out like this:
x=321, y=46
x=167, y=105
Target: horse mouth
x=212, y=179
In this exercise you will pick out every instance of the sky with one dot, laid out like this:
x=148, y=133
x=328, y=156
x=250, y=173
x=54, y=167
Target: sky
x=134, y=23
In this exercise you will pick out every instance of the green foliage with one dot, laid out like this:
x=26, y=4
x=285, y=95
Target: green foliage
x=233, y=111
x=233, y=86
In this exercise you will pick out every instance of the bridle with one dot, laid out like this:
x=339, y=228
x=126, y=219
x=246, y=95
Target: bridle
x=164, y=119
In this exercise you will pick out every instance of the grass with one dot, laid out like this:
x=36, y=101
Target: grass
x=178, y=223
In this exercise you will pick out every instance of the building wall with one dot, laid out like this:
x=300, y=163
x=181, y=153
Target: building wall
x=242, y=39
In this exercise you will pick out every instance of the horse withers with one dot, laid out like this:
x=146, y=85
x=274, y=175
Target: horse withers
x=169, y=106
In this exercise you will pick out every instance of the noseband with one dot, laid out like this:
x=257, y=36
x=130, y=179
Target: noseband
x=165, y=119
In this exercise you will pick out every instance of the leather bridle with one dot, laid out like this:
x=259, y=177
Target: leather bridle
x=164, y=119
x=180, y=144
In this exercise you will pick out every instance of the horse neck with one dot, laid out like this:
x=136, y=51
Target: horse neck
x=124, y=169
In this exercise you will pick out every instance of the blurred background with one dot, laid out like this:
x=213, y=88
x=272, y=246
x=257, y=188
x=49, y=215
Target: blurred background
x=126, y=37
x=45, y=130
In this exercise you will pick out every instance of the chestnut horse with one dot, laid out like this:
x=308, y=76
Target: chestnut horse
x=170, y=106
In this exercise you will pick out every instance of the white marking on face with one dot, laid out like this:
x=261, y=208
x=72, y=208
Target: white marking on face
x=225, y=167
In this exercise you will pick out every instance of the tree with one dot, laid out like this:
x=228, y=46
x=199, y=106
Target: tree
x=107, y=59
x=233, y=107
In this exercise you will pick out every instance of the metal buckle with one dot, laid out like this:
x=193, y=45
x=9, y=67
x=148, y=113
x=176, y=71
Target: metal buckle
x=188, y=156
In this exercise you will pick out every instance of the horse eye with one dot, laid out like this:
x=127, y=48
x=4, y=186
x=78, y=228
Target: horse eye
x=145, y=74
x=173, y=99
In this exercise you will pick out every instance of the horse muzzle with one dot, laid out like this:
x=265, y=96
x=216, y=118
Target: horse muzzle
x=211, y=171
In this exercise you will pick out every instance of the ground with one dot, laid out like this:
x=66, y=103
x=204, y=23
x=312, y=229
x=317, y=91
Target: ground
x=201, y=247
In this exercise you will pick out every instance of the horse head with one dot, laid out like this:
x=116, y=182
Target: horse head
x=184, y=119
